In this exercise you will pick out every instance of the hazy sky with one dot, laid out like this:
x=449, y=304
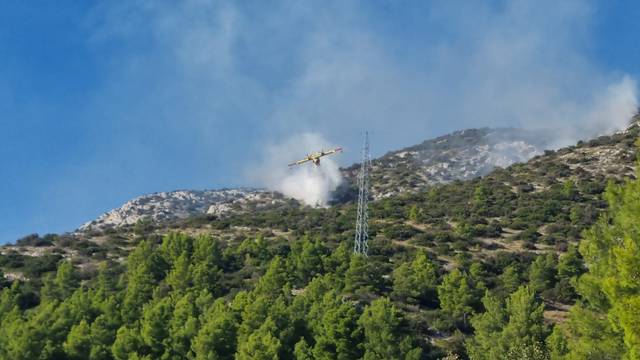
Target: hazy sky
x=104, y=101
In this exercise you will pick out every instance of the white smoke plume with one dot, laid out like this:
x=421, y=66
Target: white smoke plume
x=608, y=111
x=308, y=183
x=615, y=108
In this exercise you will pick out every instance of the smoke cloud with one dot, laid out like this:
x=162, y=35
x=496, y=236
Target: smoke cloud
x=340, y=67
x=521, y=64
x=614, y=109
x=306, y=182
x=222, y=76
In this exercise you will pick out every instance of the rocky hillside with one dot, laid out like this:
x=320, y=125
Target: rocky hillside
x=461, y=155
x=234, y=213
x=163, y=207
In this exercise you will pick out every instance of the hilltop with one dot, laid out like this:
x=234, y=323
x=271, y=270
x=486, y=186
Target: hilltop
x=163, y=207
x=461, y=155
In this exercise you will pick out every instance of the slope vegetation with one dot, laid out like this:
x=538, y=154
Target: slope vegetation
x=486, y=268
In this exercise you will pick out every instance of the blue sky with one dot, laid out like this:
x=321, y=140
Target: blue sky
x=104, y=101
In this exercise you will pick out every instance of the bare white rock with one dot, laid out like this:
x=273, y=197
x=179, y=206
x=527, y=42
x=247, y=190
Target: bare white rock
x=163, y=206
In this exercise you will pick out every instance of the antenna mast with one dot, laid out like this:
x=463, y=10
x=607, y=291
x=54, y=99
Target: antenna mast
x=361, y=245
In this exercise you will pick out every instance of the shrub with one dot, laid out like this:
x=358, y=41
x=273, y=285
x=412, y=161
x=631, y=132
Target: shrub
x=530, y=234
x=399, y=232
x=443, y=249
x=518, y=224
x=35, y=266
x=36, y=240
x=12, y=261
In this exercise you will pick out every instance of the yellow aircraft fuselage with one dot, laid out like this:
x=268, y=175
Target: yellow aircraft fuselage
x=315, y=157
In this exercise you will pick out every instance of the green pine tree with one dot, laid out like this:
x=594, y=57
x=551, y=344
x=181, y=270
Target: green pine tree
x=103, y=335
x=154, y=329
x=543, y=272
x=216, y=339
x=608, y=323
x=179, y=278
x=302, y=351
x=416, y=281
x=512, y=331
x=66, y=280
x=127, y=343
x=335, y=329
x=457, y=296
x=183, y=327
x=262, y=344
x=78, y=344
x=509, y=280
x=386, y=334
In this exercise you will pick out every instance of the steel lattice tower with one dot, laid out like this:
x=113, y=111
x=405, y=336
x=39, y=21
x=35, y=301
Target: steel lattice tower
x=361, y=245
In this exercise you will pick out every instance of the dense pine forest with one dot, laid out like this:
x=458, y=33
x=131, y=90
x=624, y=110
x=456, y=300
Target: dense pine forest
x=537, y=261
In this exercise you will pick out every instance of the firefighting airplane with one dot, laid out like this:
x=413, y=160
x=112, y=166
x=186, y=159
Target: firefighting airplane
x=315, y=157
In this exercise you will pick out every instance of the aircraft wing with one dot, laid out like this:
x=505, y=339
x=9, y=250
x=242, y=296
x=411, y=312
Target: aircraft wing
x=332, y=151
x=299, y=162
